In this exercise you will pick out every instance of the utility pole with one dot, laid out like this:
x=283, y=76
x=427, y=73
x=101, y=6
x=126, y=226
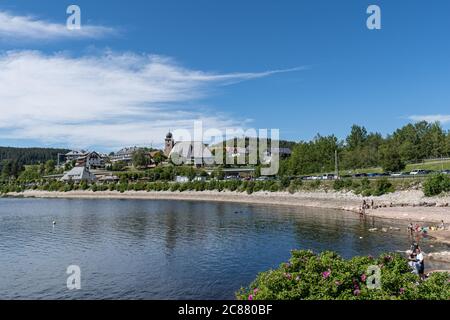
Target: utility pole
x=336, y=163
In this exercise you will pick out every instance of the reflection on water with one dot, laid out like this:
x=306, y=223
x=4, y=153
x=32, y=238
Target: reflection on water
x=165, y=249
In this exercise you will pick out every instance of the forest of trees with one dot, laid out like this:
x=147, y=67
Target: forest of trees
x=361, y=149
x=30, y=155
x=13, y=160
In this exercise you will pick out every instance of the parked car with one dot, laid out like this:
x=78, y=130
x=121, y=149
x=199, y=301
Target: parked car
x=265, y=178
x=360, y=175
x=231, y=178
x=445, y=171
x=418, y=172
x=181, y=179
x=397, y=174
x=329, y=176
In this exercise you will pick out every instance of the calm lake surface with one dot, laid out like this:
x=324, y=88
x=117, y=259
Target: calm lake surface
x=146, y=249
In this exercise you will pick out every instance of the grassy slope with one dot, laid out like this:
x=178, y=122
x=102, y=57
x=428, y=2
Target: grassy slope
x=436, y=165
x=430, y=165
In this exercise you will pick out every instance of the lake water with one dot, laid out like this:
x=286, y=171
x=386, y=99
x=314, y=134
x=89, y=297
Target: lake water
x=145, y=249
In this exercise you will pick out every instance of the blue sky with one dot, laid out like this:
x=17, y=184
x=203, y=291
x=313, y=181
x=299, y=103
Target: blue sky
x=224, y=59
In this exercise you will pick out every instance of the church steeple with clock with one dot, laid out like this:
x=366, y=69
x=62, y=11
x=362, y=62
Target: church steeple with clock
x=169, y=143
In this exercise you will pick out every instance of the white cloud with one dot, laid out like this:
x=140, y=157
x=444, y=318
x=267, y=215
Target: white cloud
x=442, y=118
x=19, y=28
x=109, y=100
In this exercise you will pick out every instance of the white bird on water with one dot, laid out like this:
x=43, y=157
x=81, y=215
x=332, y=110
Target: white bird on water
x=54, y=222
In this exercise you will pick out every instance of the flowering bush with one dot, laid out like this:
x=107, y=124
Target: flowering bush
x=328, y=276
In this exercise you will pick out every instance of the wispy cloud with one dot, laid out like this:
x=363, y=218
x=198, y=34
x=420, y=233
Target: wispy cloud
x=20, y=28
x=108, y=100
x=442, y=118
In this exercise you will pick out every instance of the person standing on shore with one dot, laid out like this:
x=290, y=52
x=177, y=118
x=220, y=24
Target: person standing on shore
x=362, y=211
x=410, y=228
x=413, y=248
x=420, y=263
x=412, y=263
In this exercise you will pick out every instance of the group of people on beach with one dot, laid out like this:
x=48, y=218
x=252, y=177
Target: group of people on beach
x=365, y=205
x=416, y=261
x=422, y=229
x=416, y=256
x=416, y=228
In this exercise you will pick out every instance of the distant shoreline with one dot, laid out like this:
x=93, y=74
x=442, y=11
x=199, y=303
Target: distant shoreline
x=401, y=205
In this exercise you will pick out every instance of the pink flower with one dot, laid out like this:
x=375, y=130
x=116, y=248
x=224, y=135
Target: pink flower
x=357, y=292
x=326, y=274
x=338, y=283
x=255, y=291
x=363, y=277
x=402, y=290
x=250, y=297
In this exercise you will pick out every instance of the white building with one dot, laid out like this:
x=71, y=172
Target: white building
x=74, y=155
x=91, y=160
x=79, y=174
x=195, y=153
x=125, y=155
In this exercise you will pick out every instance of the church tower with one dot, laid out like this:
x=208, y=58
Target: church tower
x=169, y=143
